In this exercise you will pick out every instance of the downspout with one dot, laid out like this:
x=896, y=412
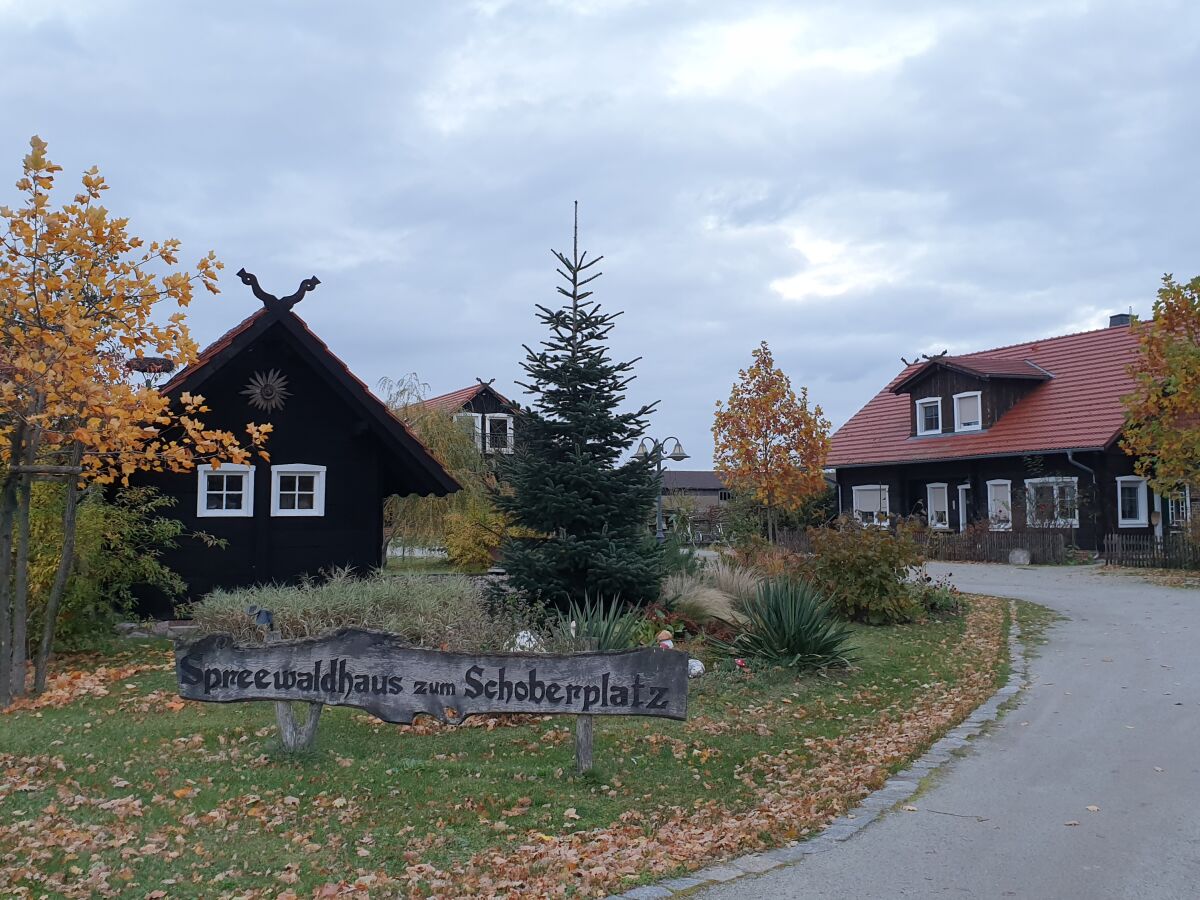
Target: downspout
x=1095, y=484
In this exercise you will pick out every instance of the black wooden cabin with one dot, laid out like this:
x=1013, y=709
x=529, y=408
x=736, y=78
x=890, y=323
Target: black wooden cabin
x=336, y=452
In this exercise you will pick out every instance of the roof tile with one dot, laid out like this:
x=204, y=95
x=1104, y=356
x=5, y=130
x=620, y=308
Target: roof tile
x=1078, y=408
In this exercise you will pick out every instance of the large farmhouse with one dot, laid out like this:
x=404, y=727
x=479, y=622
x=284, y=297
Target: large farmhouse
x=336, y=452
x=1025, y=436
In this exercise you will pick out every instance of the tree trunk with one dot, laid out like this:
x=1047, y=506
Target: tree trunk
x=61, y=578
x=20, y=604
x=8, y=509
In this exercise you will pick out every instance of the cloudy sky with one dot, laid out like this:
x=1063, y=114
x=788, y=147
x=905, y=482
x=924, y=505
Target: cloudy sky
x=850, y=181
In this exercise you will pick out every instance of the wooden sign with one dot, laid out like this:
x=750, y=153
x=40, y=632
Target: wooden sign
x=394, y=681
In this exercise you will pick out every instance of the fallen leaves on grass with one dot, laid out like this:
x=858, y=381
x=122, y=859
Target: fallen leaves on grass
x=797, y=792
x=63, y=688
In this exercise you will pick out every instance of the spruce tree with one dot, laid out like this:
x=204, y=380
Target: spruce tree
x=566, y=482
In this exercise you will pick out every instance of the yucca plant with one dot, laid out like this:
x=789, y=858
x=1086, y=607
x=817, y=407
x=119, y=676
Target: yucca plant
x=790, y=624
x=606, y=623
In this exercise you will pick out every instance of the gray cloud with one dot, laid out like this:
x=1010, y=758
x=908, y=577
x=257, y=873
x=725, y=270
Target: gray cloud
x=850, y=182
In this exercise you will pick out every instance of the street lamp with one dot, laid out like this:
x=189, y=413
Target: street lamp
x=655, y=450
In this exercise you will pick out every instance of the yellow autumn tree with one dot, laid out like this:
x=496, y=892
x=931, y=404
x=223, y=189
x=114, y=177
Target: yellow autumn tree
x=768, y=442
x=79, y=298
x=1163, y=413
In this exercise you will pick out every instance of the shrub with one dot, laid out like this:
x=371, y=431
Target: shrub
x=938, y=597
x=607, y=623
x=864, y=570
x=118, y=544
x=790, y=624
x=429, y=611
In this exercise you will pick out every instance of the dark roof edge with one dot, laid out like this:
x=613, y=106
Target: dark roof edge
x=940, y=459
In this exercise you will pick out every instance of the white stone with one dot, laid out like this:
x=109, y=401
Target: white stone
x=527, y=641
x=695, y=668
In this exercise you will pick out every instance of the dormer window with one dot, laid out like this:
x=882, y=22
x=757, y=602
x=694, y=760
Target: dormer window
x=929, y=415
x=968, y=411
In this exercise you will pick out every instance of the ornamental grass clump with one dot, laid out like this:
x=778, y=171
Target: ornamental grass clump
x=428, y=611
x=790, y=624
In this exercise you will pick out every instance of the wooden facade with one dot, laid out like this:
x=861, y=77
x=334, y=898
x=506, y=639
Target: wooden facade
x=327, y=425
x=1096, y=490
x=997, y=395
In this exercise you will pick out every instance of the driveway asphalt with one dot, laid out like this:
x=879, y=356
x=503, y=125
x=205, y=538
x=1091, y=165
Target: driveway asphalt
x=1110, y=719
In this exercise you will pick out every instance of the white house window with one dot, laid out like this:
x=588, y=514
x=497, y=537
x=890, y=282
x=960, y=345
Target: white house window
x=929, y=415
x=472, y=424
x=297, y=489
x=870, y=503
x=939, y=505
x=968, y=411
x=1000, y=505
x=499, y=433
x=226, y=492
x=1052, y=502
x=1133, y=508
x=724, y=496
x=1179, y=507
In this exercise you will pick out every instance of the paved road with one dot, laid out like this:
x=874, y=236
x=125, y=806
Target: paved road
x=1111, y=718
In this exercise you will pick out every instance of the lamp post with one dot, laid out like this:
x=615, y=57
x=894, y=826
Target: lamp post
x=655, y=450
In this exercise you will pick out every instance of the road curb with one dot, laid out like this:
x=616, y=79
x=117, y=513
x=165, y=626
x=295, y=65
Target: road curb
x=895, y=790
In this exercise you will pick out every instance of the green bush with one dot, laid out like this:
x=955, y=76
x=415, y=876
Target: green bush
x=864, y=570
x=790, y=624
x=429, y=611
x=118, y=545
x=937, y=597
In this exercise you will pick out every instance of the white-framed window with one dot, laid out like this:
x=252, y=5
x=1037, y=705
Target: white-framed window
x=999, y=495
x=1052, y=502
x=725, y=496
x=297, y=489
x=1133, y=506
x=968, y=411
x=870, y=503
x=472, y=424
x=499, y=432
x=1179, y=507
x=929, y=415
x=938, y=505
x=225, y=492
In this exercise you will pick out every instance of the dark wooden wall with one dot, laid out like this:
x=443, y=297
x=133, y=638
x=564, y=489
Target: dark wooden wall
x=998, y=395
x=1097, y=498
x=315, y=426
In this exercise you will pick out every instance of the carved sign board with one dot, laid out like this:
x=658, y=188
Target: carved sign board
x=394, y=681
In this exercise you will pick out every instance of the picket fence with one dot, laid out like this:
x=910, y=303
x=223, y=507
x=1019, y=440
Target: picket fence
x=1045, y=546
x=1147, y=551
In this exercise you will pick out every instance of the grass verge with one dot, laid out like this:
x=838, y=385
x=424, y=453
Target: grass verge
x=136, y=792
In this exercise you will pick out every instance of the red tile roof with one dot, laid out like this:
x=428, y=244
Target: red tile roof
x=212, y=350
x=460, y=398
x=1078, y=408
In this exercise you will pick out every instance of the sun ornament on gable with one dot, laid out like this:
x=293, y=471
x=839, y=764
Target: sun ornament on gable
x=267, y=390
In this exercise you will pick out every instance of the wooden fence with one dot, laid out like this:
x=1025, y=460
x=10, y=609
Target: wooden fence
x=1045, y=546
x=1148, y=551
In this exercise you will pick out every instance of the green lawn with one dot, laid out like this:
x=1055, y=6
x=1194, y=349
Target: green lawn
x=138, y=792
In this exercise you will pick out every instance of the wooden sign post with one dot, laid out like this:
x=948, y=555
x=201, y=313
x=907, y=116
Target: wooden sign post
x=390, y=679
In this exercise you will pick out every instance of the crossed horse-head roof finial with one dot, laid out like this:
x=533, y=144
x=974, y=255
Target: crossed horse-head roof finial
x=270, y=301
